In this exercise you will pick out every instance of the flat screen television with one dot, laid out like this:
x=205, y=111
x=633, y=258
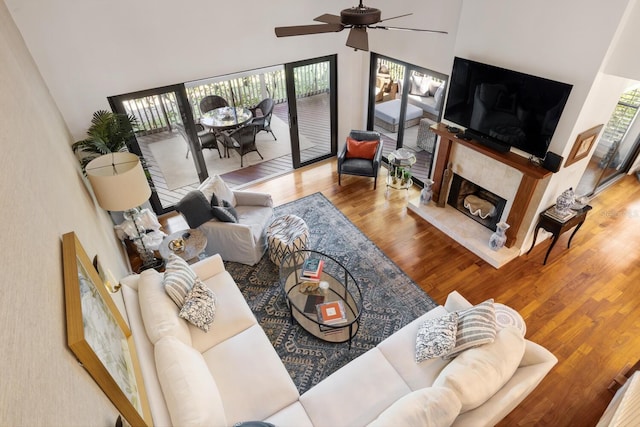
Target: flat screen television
x=503, y=108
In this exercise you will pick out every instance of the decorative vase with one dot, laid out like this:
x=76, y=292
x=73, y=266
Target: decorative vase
x=565, y=201
x=498, y=239
x=427, y=193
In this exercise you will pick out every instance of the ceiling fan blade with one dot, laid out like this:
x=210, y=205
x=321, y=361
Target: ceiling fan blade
x=395, y=17
x=358, y=39
x=329, y=19
x=384, y=27
x=301, y=30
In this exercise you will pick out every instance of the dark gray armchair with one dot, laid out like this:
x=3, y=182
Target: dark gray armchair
x=360, y=166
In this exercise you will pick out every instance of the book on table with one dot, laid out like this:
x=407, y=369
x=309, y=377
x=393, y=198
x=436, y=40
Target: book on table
x=312, y=302
x=312, y=269
x=332, y=313
x=552, y=213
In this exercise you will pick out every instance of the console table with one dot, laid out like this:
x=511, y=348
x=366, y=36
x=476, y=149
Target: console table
x=557, y=227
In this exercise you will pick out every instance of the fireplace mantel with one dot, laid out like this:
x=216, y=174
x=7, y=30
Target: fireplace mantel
x=531, y=174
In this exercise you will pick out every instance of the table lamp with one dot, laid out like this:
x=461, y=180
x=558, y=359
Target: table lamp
x=120, y=184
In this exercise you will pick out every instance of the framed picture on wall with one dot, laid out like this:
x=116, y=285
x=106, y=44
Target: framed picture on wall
x=99, y=336
x=583, y=144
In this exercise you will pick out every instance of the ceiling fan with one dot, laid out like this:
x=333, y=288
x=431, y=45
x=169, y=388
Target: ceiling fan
x=357, y=18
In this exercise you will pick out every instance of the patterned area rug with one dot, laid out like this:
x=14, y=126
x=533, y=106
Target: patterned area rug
x=391, y=298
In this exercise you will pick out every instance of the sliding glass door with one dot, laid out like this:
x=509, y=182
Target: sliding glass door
x=404, y=101
x=617, y=148
x=167, y=141
x=311, y=94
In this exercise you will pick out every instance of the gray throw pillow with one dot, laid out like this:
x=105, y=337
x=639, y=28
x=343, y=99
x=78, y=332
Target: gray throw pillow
x=195, y=208
x=225, y=213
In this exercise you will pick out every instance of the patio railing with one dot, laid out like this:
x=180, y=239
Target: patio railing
x=156, y=113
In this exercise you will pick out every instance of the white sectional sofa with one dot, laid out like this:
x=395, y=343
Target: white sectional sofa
x=233, y=374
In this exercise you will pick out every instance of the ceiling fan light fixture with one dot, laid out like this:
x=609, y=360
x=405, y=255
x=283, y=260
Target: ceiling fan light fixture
x=360, y=16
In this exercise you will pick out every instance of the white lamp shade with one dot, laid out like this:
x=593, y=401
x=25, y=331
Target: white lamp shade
x=118, y=181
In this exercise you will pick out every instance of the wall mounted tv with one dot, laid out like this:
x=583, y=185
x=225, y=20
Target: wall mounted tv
x=503, y=108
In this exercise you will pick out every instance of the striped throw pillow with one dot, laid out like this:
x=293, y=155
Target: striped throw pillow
x=178, y=279
x=476, y=326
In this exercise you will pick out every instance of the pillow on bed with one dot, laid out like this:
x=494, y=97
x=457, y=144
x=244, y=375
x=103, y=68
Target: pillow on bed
x=361, y=149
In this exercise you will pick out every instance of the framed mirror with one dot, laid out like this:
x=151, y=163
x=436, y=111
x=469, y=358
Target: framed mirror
x=99, y=336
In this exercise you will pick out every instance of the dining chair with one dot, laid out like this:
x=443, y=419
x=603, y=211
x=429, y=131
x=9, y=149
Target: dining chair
x=264, y=120
x=211, y=102
x=242, y=140
x=207, y=139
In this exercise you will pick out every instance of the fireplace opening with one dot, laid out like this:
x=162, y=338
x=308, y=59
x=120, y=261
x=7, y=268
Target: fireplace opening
x=477, y=203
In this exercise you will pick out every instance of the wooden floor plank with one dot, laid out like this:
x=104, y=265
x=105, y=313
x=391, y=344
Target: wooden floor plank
x=583, y=305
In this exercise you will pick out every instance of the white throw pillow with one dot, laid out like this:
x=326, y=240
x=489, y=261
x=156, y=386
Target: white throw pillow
x=159, y=312
x=189, y=390
x=436, y=337
x=478, y=373
x=476, y=326
x=178, y=279
x=507, y=316
x=215, y=185
x=427, y=407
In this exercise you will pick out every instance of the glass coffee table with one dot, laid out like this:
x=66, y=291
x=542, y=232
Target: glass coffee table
x=336, y=288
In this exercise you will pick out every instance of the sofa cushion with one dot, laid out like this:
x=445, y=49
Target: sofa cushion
x=195, y=208
x=252, y=380
x=355, y=393
x=427, y=407
x=293, y=415
x=233, y=315
x=478, y=373
x=159, y=312
x=178, y=279
x=361, y=149
x=215, y=185
x=190, y=391
x=399, y=350
x=199, y=307
x=436, y=337
x=476, y=326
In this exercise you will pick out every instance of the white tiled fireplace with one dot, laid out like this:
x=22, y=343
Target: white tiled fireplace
x=506, y=175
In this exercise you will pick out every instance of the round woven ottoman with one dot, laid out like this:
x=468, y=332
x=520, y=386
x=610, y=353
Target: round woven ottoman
x=285, y=235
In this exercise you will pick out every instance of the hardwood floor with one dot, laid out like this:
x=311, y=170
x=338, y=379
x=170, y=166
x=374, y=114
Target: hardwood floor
x=583, y=305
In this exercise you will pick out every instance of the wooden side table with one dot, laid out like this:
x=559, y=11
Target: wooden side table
x=194, y=243
x=557, y=227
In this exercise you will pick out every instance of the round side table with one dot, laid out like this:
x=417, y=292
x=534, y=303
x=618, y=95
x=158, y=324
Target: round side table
x=194, y=243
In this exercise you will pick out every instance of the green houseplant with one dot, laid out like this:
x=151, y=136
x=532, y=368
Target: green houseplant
x=108, y=133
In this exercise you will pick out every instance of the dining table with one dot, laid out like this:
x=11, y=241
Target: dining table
x=226, y=118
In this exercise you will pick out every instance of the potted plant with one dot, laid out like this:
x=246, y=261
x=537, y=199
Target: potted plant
x=108, y=133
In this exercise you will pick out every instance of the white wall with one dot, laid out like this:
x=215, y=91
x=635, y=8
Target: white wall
x=44, y=196
x=89, y=50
